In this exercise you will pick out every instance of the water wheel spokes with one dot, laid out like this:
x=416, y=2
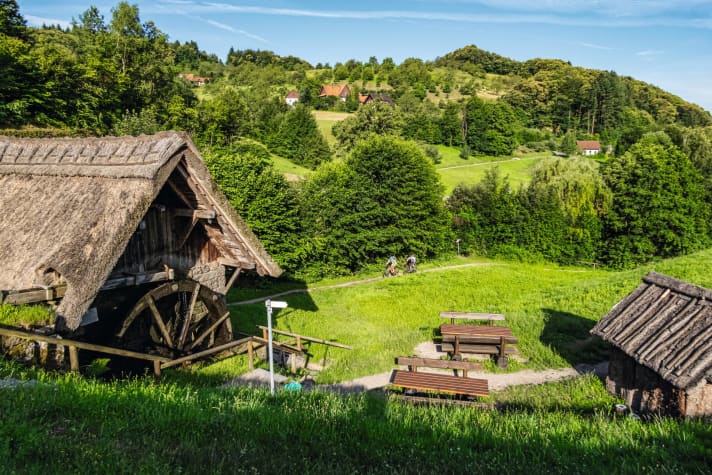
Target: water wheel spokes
x=175, y=319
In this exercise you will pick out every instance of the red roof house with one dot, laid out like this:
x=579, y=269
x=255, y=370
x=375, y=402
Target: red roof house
x=335, y=90
x=589, y=147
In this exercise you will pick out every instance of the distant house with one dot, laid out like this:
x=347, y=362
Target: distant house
x=589, y=147
x=662, y=347
x=292, y=98
x=385, y=98
x=194, y=80
x=332, y=90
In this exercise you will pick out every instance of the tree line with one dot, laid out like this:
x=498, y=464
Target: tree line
x=382, y=196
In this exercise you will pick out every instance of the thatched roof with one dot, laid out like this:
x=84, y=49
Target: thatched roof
x=71, y=205
x=666, y=325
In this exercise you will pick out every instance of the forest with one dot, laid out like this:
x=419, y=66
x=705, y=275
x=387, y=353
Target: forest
x=373, y=190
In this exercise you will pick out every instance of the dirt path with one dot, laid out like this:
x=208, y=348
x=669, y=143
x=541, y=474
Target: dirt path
x=482, y=164
x=351, y=283
x=497, y=381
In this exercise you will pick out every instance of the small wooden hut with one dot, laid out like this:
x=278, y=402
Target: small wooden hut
x=662, y=356
x=126, y=230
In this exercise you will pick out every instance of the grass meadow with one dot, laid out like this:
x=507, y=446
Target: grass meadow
x=326, y=120
x=191, y=423
x=453, y=170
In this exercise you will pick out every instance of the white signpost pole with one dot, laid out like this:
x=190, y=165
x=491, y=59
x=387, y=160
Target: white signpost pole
x=270, y=305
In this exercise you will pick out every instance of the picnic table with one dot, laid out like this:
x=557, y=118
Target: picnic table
x=485, y=339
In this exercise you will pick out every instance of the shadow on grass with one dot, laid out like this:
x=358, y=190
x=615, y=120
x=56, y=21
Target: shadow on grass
x=569, y=335
x=142, y=428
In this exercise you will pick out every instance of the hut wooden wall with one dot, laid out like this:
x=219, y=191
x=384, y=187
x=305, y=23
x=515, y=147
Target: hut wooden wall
x=166, y=239
x=645, y=391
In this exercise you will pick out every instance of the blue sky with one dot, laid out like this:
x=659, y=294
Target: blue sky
x=667, y=43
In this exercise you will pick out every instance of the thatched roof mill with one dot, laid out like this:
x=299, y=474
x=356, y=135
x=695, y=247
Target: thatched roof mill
x=98, y=213
x=665, y=325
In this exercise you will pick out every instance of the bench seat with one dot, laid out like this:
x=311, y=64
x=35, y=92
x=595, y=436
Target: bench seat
x=478, y=348
x=440, y=382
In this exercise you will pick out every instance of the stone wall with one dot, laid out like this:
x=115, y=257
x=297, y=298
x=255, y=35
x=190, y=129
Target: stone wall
x=211, y=275
x=40, y=353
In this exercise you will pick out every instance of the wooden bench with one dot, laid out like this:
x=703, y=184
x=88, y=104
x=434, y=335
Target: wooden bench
x=445, y=383
x=492, y=340
x=464, y=366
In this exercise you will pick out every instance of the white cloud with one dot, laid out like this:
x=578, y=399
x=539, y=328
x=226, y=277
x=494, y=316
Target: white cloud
x=223, y=26
x=592, y=18
x=649, y=52
x=594, y=46
x=611, y=8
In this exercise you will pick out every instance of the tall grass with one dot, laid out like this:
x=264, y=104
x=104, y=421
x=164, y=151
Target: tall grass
x=70, y=425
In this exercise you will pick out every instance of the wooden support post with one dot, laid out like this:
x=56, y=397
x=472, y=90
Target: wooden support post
x=251, y=354
x=74, y=358
x=457, y=345
x=157, y=369
x=264, y=333
x=502, y=357
x=299, y=343
x=293, y=366
x=232, y=280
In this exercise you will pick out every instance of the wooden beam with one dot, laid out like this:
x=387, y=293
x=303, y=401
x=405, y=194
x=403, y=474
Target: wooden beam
x=34, y=295
x=209, y=351
x=80, y=344
x=186, y=234
x=302, y=337
x=232, y=279
x=209, y=330
x=195, y=213
x=138, y=279
x=180, y=193
x=189, y=316
x=159, y=320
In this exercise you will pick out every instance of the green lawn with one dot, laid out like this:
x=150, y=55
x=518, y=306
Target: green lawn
x=326, y=120
x=550, y=309
x=454, y=170
x=290, y=169
x=190, y=424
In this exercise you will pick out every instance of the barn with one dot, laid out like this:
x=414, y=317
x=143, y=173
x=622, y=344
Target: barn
x=662, y=347
x=129, y=232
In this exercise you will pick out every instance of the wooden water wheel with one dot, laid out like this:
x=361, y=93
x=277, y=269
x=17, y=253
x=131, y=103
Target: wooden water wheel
x=176, y=319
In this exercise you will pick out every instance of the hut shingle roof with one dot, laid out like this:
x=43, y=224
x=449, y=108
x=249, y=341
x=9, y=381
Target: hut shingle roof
x=71, y=206
x=666, y=325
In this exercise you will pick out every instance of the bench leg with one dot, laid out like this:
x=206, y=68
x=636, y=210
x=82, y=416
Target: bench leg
x=502, y=356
